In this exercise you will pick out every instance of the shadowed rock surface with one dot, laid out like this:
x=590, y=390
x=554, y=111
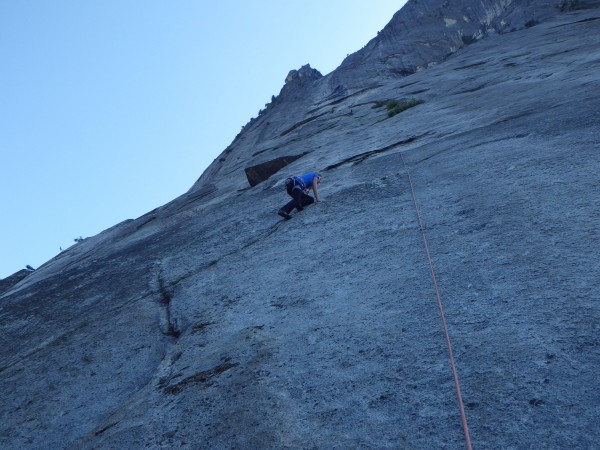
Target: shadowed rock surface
x=10, y=281
x=211, y=323
x=262, y=172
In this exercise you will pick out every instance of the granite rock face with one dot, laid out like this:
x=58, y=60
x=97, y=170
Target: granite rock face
x=13, y=279
x=209, y=322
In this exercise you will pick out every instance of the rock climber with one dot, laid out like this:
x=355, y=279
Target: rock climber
x=297, y=188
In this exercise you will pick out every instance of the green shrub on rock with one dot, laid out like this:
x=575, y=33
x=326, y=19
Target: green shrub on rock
x=397, y=106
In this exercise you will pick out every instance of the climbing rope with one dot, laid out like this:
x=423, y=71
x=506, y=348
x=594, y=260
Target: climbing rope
x=439, y=301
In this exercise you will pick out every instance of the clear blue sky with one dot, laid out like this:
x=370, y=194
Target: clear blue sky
x=111, y=108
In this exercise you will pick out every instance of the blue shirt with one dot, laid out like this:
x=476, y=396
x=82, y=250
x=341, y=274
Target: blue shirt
x=308, y=178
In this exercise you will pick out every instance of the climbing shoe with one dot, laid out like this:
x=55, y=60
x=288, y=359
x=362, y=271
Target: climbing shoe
x=283, y=214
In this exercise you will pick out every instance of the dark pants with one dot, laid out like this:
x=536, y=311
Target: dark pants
x=299, y=200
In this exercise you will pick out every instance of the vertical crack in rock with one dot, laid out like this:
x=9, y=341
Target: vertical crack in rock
x=168, y=324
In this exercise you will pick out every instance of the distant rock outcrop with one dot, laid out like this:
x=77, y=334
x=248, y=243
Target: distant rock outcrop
x=209, y=322
x=426, y=32
x=298, y=80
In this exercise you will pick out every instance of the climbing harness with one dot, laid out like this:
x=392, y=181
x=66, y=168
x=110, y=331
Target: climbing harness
x=295, y=183
x=439, y=301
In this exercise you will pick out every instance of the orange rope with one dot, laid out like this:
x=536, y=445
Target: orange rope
x=439, y=300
